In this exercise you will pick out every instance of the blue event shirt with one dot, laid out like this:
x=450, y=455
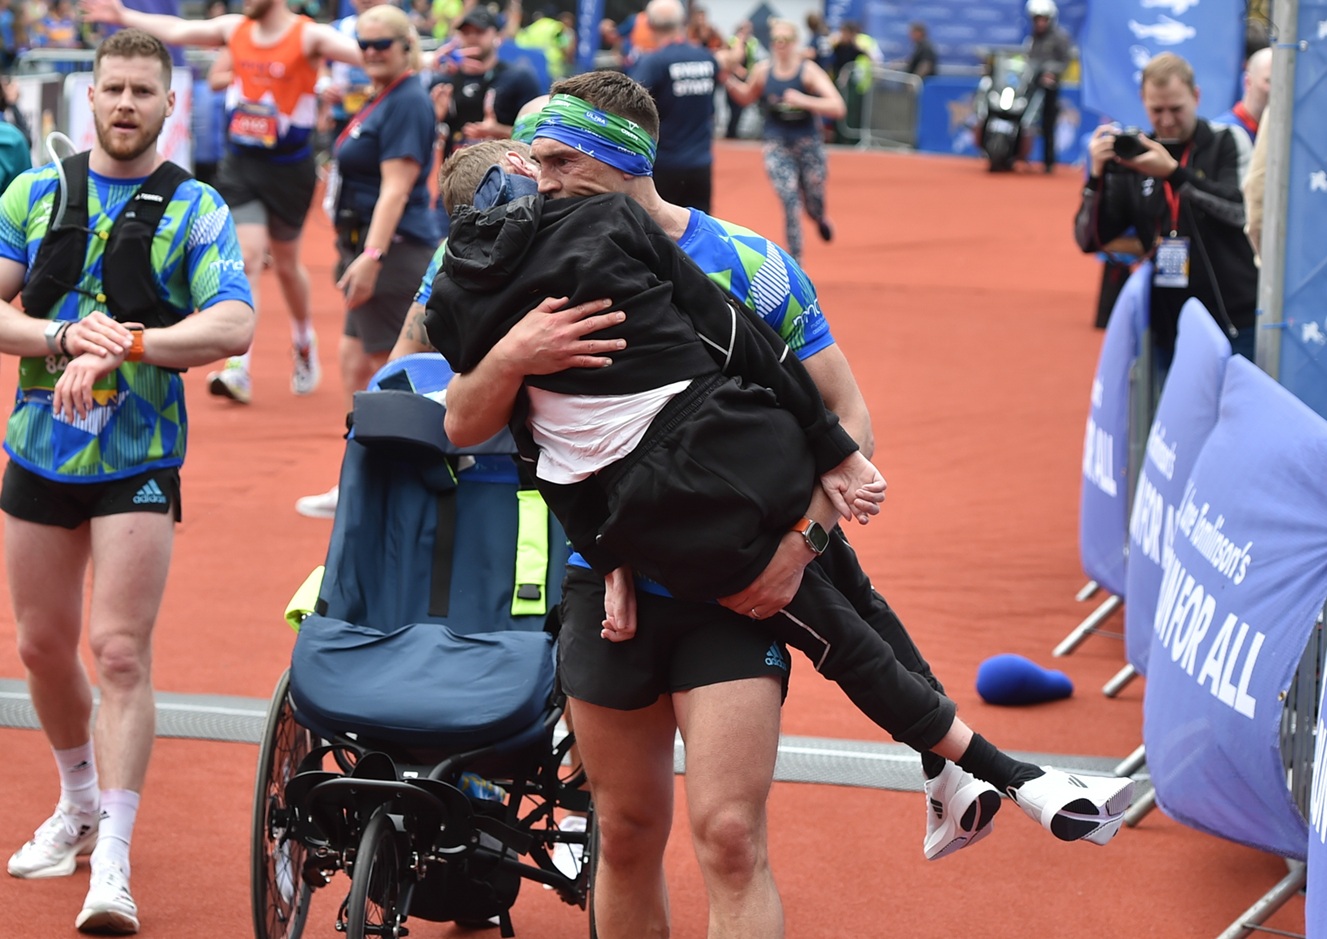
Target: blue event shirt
x=399, y=126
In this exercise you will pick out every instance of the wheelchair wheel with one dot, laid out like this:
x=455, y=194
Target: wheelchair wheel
x=374, y=905
x=278, y=892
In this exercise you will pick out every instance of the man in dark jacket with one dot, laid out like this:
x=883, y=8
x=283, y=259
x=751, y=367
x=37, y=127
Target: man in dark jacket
x=1179, y=187
x=1048, y=50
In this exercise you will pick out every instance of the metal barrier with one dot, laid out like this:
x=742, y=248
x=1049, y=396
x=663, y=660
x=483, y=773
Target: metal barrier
x=882, y=106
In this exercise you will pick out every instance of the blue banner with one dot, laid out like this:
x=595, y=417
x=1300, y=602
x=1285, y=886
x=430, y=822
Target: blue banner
x=1304, y=341
x=1315, y=903
x=1237, y=603
x=1185, y=415
x=1120, y=37
x=588, y=15
x=1103, y=505
x=945, y=119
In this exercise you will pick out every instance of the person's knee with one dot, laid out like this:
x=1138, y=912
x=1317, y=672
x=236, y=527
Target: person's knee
x=47, y=653
x=632, y=839
x=730, y=841
x=123, y=660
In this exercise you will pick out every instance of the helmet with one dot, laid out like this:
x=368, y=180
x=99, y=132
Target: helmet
x=1045, y=8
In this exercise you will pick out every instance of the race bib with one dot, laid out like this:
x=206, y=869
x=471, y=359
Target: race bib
x=254, y=124
x=1171, y=264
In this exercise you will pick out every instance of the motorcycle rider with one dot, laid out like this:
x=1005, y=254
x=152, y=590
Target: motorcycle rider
x=1048, y=50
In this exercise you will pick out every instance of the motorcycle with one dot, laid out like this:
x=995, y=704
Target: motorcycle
x=1006, y=111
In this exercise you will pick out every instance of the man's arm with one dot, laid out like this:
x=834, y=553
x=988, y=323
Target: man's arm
x=221, y=330
x=174, y=30
x=321, y=41
x=548, y=339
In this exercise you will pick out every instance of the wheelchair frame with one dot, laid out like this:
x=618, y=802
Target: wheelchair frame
x=396, y=825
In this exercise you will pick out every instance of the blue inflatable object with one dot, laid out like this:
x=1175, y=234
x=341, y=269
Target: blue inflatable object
x=1014, y=679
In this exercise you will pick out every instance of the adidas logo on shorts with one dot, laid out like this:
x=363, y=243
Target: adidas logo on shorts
x=150, y=494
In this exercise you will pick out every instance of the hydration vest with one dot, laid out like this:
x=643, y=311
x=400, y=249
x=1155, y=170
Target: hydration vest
x=129, y=285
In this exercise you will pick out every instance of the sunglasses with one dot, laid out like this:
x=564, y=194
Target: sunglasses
x=381, y=45
x=781, y=40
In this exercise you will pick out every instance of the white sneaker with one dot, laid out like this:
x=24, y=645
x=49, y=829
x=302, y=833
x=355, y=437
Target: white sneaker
x=56, y=845
x=308, y=373
x=231, y=382
x=1073, y=806
x=960, y=809
x=108, y=908
x=567, y=857
x=322, y=505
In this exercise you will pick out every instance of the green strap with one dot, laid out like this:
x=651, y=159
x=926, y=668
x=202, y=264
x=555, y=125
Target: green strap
x=305, y=599
x=528, y=595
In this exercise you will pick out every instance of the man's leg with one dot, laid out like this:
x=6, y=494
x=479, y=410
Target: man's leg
x=731, y=731
x=628, y=757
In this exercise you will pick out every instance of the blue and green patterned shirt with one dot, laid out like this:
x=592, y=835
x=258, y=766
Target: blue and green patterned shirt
x=138, y=421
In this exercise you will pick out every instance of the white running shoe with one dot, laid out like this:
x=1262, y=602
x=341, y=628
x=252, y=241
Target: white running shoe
x=567, y=857
x=1073, y=806
x=231, y=382
x=56, y=845
x=322, y=505
x=108, y=908
x=308, y=373
x=960, y=809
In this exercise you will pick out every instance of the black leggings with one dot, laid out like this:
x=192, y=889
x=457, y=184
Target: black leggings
x=853, y=638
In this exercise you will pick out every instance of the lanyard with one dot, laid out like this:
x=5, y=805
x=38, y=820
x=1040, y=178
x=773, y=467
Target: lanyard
x=368, y=107
x=1173, y=197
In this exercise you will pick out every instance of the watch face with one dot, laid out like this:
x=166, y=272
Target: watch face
x=816, y=537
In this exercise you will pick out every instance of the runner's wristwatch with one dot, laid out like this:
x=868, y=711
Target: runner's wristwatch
x=814, y=534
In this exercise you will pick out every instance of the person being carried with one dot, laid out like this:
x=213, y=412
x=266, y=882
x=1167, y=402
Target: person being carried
x=97, y=439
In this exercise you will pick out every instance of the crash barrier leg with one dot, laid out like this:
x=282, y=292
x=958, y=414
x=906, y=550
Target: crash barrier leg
x=1132, y=763
x=1142, y=804
x=1125, y=675
x=1087, y=591
x=1253, y=918
x=885, y=102
x=1089, y=626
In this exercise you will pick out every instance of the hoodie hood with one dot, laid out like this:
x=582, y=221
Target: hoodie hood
x=488, y=241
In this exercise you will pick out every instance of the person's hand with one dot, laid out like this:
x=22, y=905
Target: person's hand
x=1156, y=161
x=359, y=280
x=619, y=606
x=551, y=337
x=855, y=487
x=441, y=94
x=72, y=396
x=102, y=11
x=472, y=61
x=99, y=335
x=1048, y=80
x=776, y=584
x=1101, y=149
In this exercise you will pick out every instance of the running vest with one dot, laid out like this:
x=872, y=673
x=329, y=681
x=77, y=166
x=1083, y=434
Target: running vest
x=129, y=287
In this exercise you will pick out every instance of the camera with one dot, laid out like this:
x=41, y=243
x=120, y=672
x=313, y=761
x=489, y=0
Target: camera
x=1128, y=143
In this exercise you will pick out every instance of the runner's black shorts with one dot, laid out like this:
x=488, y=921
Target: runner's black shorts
x=679, y=645
x=33, y=498
x=282, y=192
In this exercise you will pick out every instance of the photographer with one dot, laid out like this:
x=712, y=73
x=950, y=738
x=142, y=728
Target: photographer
x=1179, y=187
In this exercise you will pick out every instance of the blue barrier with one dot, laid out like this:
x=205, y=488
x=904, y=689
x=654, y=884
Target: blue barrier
x=1103, y=507
x=1237, y=604
x=1185, y=416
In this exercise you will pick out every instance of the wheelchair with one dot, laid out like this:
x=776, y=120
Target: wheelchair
x=413, y=743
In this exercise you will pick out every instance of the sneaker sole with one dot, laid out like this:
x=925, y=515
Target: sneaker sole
x=64, y=869
x=107, y=921
x=218, y=388
x=976, y=824
x=1083, y=819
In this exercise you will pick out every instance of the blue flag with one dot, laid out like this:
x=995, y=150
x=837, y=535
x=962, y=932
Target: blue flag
x=1185, y=416
x=1304, y=340
x=588, y=15
x=1103, y=505
x=1120, y=37
x=1238, y=601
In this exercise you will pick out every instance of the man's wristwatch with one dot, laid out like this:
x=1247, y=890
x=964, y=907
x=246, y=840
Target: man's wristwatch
x=52, y=334
x=814, y=534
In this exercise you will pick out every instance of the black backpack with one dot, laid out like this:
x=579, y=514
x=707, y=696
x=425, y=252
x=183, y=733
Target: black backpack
x=129, y=285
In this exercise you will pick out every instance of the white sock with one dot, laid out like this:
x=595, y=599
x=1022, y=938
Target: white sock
x=119, y=811
x=78, y=777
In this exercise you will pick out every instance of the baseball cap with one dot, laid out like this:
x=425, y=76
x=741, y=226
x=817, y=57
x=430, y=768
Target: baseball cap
x=480, y=17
